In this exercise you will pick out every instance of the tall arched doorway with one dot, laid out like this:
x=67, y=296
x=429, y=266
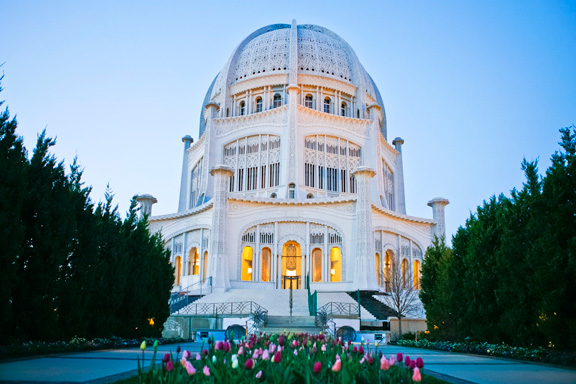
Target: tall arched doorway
x=291, y=265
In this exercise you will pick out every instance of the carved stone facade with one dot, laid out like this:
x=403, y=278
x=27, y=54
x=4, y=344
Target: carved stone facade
x=292, y=173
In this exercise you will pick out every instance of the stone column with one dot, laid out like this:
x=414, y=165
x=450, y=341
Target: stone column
x=438, y=204
x=146, y=202
x=364, y=276
x=399, y=179
x=184, y=190
x=218, y=263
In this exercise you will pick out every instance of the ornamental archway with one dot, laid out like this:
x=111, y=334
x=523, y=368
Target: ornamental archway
x=291, y=265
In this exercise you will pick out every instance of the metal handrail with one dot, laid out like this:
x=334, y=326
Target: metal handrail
x=259, y=313
x=185, y=291
x=339, y=309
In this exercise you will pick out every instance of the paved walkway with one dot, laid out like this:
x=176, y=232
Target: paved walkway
x=101, y=367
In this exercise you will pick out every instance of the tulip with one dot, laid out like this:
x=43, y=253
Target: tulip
x=214, y=359
x=407, y=361
x=355, y=350
x=234, y=357
x=259, y=374
x=226, y=346
x=190, y=368
x=166, y=358
x=198, y=357
x=377, y=344
x=234, y=364
x=205, y=352
x=295, y=352
x=255, y=355
x=155, y=344
x=183, y=362
x=170, y=366
x=266, y=355
x=392, y=360
x=384, y=364
x=281, y=340
x=361, y=350
x=186, y=354
x=178, y=349
x=362, y=361
x=420, y=363
x=412, y=364
x=370, y=360
x=143, y=345
x=399, y=357
x=380, y=354
x=337, y=357
x=249, y=364
x=323, y=348
x=241, y=351
x=416, y=376
x=206, y=371
x=317, y=367
x=272, y=348
x=337, y=366
x=277, y=357
x=219, y=346
x=314, y=349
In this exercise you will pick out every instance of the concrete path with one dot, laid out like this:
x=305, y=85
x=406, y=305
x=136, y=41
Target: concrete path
x=107, y=366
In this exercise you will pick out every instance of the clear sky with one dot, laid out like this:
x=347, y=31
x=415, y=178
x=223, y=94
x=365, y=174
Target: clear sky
x=472, y=87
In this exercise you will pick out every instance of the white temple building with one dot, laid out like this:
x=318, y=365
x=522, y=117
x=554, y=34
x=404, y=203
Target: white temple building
x=293, y=174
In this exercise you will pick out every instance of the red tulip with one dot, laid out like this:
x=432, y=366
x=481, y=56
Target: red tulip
x=249, y=364
x=407, y=361
x=361, y=350
x=317, y=367
x=170, y=366
x=277, y=357
x=420, y=363
x=399, y=357
x=166, y=358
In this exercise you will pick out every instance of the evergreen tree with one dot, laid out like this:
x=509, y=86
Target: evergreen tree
x=12, y=191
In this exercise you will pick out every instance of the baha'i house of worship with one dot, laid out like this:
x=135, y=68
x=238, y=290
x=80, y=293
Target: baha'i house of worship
x=292, y=181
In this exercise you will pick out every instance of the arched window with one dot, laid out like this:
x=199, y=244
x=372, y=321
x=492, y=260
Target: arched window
x=310, y=196
x=193, y=261
x=309, y=101
x=291, y=190
x=335, y=265
x=388, y=260
x=258, y=104
x=277, y=100
x=227, y=112
x=357, y=113
x=205, y=266
x=177, y=269
x=343, y=109
x=316, y=265
x=405, y=273
x=265, y=262
x=327, y=105
x=247, y=263
x=417, y=272
x=378, y=270
x=242, y=108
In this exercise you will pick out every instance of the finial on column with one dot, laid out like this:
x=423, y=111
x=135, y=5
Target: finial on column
x=438, y=204
x=146, y=202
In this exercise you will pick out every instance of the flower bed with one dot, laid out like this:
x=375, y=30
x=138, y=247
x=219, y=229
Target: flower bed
x=76, y=344
x=283, y=359
x=498, y=350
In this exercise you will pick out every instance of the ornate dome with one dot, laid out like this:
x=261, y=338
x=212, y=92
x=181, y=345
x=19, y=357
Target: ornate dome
x=319, y=51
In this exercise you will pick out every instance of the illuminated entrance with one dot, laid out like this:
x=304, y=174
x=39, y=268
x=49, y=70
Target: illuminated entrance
x=291, y=265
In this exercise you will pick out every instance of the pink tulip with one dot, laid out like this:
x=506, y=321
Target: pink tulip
x=266, y=355
x=323, y=348
x=255, y=355
x=384, y=364
x=249, y=364
x=337, y=357
x=277, y=357
x=362, y=360
x=186, y=354
x=241, y=350
x=170, y=366
x=219, y=346
x=392, y=360
x=416, y=376
x=206, y=371
x=190, y=368
x=317, y=367
x=259, y=374
x=198, y=357
x=420, y=363
x=295, y=352
x=272, y=348
x=337, y=366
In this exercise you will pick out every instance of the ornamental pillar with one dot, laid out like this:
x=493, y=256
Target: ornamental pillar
x=146, y=202
x=218, y=264
x=364, y=275
x=399, y=179
x=438, y=204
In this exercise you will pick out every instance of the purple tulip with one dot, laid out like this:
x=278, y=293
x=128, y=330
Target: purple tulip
x=399, y=357
x=420, y=363
x=249, y=364
x=407, y=361
x=166, y=358
x=317, y=367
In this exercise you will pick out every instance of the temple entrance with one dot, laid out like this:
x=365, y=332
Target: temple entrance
x=291, y=266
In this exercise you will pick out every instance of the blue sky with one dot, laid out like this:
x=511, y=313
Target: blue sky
x=473, y=87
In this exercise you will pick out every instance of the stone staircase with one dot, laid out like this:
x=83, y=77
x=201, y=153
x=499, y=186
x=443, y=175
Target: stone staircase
x=294, y=324
x=377, y=309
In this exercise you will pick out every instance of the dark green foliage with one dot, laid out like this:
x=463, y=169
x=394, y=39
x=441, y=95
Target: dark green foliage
x=511, y=275
x=66, y=267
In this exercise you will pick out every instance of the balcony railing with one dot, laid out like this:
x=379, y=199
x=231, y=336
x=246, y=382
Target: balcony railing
x=227, y=309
